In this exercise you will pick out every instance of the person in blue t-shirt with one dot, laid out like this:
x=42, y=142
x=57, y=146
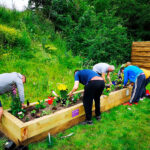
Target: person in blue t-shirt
x=94, y=86
x=137, y=76
x=1, y=110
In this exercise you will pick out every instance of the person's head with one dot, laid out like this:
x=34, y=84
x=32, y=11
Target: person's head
x=76, y=71
x=121, y=69
x=23, y=78
x=128, y=64
x=111, y=68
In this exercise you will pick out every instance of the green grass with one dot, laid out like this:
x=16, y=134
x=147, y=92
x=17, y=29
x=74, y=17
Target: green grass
x=122, y=128
x=43, y=68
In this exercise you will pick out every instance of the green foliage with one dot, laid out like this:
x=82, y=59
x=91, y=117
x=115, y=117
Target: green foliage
x=33, y=112
x=55, y=101
x=40, y=105
x=91, y=30
x=44, y=113
x=16, y=106
x=13, y=37
x=76, y=97
x=20, y=115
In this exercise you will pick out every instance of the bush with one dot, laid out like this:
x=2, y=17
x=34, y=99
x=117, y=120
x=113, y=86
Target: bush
x=13, y=37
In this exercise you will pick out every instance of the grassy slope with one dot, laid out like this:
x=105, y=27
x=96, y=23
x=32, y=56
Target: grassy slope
x=44, y=69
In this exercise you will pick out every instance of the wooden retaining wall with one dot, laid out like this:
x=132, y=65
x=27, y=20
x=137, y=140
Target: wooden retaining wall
x=140, y=55
x=37, y=129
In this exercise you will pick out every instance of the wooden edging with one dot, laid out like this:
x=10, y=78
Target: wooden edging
x=25, y=133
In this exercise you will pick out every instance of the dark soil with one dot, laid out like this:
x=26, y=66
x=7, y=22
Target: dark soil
x=49, y=110
x=1, y=135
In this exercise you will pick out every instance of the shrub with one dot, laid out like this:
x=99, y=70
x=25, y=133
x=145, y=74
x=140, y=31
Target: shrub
x=13, y=37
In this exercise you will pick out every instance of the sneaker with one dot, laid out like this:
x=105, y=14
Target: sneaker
x=89, y=122
x=136, y=103
x=127, y=103
x=141, y=99
x=98, y=118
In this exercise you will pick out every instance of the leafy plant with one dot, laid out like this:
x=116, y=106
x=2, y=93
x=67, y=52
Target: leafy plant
x=40, y=105
x=55, y=101
x=44, y=113
x=16, y=106
x=27, y=119
x=21, y=115
x=63, y=93
x=76, y=97
x=33, y=112
x=67, y=102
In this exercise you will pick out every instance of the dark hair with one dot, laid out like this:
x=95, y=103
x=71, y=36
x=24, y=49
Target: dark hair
x=76, y=71
x=121, y=69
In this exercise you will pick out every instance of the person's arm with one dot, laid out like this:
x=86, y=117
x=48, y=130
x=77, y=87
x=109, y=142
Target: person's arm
x=75, y=87
x=125, y=77
x=103, y=76
x=108, y=77
x=20, y=88
x=1, y=111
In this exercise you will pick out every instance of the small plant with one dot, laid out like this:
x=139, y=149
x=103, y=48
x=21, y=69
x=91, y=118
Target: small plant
x=44, y=113
x=76, y=97
x=27, y=119
x=20, y=115
x=106, y=91
x=16, y=106
x=33, y=112
x=67, y=102
x=63, y=93
x=40, y=105
x=55, y=101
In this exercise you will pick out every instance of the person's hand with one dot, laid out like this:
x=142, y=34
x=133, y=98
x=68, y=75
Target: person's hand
x=23, y=105
x=70, y=94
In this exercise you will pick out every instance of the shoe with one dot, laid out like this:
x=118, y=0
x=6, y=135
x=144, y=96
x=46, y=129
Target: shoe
x=98, y=118
x=136, y=103
x=89, y=122
x=141, y=99
x=127, y=103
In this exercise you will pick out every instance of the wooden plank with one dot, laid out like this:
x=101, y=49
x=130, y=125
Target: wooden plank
x=141, y=49
x=140, y=54
x=147, y=65
x=147, y=43
x=10, y=126
x=144, y=58
x=55, y=130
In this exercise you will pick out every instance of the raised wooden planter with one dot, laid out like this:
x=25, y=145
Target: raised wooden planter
x=25, y=133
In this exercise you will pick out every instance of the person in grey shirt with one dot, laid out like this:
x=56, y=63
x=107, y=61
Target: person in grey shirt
x=103, y=69
x=8, y=83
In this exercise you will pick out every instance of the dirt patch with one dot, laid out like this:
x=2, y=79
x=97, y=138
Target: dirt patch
x=49, y=109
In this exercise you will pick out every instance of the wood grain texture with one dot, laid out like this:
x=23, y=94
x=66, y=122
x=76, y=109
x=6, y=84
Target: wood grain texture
x=140, y=55
x=145, y=43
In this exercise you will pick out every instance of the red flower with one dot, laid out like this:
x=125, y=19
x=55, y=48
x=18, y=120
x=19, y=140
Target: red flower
x=50, y=100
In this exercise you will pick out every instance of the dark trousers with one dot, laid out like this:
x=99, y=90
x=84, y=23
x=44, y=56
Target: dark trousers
x=0, y=104
x=92, y=90
x=138, y=87
x=144, y=89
